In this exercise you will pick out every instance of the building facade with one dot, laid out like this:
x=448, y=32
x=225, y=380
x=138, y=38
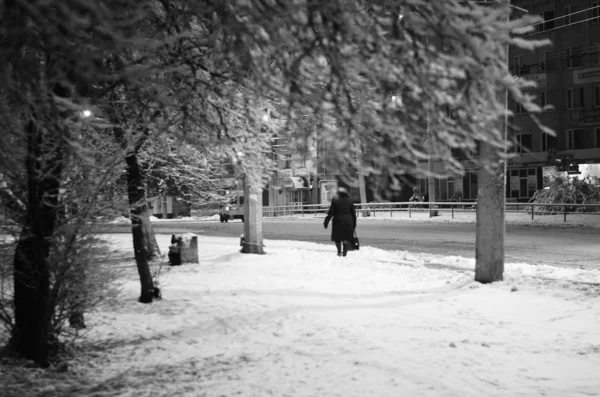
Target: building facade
x=567, y=74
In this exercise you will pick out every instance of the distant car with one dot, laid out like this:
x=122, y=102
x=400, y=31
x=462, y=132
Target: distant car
x=232, y=211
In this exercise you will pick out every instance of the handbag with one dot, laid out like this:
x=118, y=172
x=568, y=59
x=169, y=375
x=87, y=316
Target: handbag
x=355, y=244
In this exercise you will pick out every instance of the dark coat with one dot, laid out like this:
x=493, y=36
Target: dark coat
x=344, y=218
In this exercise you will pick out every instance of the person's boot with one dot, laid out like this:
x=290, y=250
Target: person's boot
x=345, y=249
x=338, y=245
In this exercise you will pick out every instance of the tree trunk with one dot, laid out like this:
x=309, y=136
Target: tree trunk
x=149, y=236
x=489, y=239
x=490, y=225
x=32, y=287
x=33, y=309
x=140, y=219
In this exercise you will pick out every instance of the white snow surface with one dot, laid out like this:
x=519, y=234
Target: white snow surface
x=300, y=321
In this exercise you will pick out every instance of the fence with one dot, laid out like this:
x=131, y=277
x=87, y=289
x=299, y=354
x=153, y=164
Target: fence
x=452, y=208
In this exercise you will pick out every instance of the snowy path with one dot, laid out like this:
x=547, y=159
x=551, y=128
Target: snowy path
x=303, y=322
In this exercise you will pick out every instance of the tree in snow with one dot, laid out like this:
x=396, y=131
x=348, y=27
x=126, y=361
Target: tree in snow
x=565, y=190
x=52, y=53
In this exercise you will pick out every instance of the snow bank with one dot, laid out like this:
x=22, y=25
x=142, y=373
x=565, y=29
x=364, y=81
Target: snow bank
x=121, y=220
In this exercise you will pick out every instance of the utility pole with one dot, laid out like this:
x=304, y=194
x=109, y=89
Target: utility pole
x=253, y=217
x=362, y=189
x=430, y=168
x=490, y=226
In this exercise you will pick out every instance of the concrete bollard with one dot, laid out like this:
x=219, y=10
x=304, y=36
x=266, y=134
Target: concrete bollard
x=184, y=249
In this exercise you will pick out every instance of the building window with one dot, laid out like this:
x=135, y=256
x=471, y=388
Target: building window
x=519, y=108
x=575, y=139
x=523, y=143
x=597, y=96
x=444, y=189
x=548, y=17
x=543, y=99
x=542, y=61
x=596, y=53
x=569, y=98
x=229, y=169
x=578, y=98
x=516, y=64
x=595, y=12
x=470, y=186
x=573, y=57
x=523, y=182
x=574, y=98
x=548, y=142
x=567, y=15
x=568, y=57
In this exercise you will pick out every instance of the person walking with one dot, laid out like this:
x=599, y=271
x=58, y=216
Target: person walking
x=344, y=220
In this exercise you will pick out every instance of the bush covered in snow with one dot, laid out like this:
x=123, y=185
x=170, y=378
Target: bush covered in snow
x=81, y=277
x=570, y=191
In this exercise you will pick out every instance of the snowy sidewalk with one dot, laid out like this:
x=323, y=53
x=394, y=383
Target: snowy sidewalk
x=300, y=321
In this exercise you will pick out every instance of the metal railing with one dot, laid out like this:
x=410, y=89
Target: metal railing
x=453, y=208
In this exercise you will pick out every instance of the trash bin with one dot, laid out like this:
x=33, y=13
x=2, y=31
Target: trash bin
x=175, y=251
x=183, y=249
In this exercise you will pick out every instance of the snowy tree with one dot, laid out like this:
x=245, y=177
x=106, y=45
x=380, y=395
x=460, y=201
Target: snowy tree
x=52, y=53
x=370, y=76
x=388, y=84
x=566, y=190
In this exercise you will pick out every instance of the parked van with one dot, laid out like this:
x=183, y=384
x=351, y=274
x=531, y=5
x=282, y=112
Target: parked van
x=233, y=209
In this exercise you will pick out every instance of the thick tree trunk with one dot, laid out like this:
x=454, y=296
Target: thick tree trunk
x=140, y=221
x=149, y=236
x=31, y=280
x=489, y=238
x=33, y=309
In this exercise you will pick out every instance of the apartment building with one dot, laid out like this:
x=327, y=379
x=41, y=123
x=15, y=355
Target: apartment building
x=567, y=73
x=568, y=77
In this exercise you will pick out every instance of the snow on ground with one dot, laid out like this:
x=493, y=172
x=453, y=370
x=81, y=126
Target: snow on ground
x=214, y=217
x=300, y=321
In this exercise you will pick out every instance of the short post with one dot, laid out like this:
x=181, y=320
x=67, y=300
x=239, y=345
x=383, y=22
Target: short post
x=183, y=249
x=565, y=213
x=532, y=211
x=391, y=215
x=452, y=211
x=409, y=211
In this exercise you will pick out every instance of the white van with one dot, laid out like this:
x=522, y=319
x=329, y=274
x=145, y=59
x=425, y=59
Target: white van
x=233, y=209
